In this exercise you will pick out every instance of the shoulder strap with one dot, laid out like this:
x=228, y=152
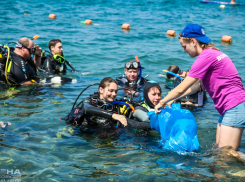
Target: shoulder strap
x=145, y=106
x=94, y=98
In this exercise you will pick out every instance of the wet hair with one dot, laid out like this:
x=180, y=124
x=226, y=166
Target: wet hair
x=155, y=87
x=202, y=45
x=24, y=41
x=53, y=42
x=106, y=81
x=174, y=69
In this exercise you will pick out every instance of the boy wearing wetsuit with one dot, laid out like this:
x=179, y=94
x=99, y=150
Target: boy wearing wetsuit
x=54, y=63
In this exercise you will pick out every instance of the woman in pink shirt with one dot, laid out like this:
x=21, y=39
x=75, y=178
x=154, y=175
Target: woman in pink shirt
x=220, y=79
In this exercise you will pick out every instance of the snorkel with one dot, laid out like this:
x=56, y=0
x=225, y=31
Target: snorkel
x=139, y=77
x=35, y=37
x=169, y=72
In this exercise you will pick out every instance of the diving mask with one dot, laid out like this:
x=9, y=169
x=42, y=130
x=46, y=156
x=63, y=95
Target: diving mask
x=131, y=65
x=31, y=50
x=60, y=59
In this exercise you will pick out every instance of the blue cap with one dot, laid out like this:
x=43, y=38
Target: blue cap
x=195, y=31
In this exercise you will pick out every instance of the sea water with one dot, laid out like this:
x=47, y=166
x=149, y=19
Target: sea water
x=40, y=146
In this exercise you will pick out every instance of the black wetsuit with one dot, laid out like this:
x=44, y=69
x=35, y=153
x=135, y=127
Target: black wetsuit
x=51, y=67
x=194, y=97
x=21, y=70
x=90, y=115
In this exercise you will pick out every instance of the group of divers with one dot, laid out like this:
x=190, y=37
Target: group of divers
x=103, y=110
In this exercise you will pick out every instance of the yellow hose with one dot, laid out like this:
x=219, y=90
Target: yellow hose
x=42, y=53
x=6, y=66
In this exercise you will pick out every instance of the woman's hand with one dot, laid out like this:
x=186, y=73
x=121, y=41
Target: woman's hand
x=159, y=105
x=120, y=118
x=170, y=103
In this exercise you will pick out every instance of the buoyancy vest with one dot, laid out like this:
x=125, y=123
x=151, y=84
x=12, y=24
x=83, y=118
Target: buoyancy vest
x=124, y=81
x=94, y=111
x=18, y=69
x=50, y=66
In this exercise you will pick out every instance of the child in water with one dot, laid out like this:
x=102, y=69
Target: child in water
x=195, y=95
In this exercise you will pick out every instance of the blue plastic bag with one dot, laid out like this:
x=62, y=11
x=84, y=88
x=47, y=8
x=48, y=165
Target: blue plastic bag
x=177, y=126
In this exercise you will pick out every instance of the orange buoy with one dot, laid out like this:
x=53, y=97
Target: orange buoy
x=52, y=16
x=171, y=32
x=126, y=26
x=226, y=38
x=88, y=22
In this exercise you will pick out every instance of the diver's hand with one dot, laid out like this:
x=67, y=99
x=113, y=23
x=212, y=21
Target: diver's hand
x=120, y=118
x=37, y=58
x=38, y=50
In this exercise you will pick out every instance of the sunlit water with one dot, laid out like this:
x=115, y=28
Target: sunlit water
x=44, y=148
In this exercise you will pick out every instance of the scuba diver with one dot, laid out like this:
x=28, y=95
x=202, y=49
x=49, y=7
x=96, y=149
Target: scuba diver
x=17, y=66
x=152, y=95
x=133, y=72
x=132, y=81
x=195, y=95
x=101, y=111
x=54, y=63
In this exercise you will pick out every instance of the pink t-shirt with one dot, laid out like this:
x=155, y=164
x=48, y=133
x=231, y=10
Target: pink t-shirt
x=220, y=79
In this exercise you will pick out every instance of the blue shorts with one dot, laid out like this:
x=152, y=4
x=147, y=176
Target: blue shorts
x=234, y=117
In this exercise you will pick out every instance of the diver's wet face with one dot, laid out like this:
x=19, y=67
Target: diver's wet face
x=131, y=74
x=189, y=47
x=57, y=49
x=109, y=92
x=154, y=95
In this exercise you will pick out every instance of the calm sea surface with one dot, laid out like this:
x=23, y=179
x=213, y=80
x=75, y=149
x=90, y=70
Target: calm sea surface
x=41, y=147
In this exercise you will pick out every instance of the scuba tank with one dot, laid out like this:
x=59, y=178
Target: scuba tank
x=5, y=65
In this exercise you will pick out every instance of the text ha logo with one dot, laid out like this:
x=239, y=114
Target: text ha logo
x=10, y=171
